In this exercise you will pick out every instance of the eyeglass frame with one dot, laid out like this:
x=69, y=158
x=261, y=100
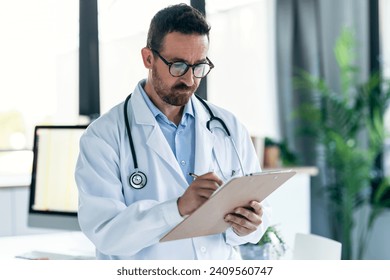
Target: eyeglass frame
x=192, y=66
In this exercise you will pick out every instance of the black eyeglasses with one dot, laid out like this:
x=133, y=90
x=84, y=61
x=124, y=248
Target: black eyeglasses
x=179, y=68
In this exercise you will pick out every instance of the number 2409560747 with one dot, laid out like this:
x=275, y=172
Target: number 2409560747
x=250, y=270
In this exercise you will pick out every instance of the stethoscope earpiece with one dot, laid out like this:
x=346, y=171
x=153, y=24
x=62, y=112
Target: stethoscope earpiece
x=137, y=180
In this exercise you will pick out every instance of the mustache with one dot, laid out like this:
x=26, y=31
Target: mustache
x=182, y=86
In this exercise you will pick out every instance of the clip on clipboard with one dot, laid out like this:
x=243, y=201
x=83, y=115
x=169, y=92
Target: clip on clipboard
x=239, y=191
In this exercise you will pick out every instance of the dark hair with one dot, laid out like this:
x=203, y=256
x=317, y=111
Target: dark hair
x=177, y=18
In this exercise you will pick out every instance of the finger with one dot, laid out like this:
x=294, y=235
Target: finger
x=250, y=215
x=204, y=184
x=238, y=231
x=211, y=176
x=241, y=231
x=205, y=193
x=256, y=206
x=240, y=223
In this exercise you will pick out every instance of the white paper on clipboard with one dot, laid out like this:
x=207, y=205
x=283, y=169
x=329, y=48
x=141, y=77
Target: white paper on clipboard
x=239, y=191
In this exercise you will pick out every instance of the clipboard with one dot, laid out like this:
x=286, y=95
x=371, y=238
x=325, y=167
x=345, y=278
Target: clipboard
x=208, y=219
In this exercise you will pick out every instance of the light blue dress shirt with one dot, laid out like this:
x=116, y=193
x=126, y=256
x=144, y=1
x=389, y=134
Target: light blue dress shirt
x=181, y=138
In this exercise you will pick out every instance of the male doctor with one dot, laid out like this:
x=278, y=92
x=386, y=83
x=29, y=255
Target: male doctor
x=125, y=216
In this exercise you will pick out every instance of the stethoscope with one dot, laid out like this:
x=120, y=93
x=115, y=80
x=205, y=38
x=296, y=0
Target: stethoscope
x=138, y=179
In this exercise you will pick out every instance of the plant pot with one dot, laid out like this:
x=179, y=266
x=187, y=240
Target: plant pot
x=267, y=251
x=271, y=157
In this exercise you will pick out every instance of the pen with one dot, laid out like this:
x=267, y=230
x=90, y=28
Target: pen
x=193, y=175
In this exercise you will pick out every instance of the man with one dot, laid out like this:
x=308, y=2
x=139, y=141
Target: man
x=135, y=183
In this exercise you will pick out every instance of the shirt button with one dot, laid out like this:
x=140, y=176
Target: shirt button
x=203, y=249
x=183, y=162
x=179, y=132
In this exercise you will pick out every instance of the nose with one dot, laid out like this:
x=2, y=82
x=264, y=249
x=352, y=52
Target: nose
x=188, y=78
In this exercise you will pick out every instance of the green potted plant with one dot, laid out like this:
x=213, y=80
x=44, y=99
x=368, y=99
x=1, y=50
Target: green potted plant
x=270, y=246
x=336, y=120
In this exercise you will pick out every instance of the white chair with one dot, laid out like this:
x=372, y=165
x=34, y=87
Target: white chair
x=315, y=247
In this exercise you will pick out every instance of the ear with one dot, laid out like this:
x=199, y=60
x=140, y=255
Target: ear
x=147, y=57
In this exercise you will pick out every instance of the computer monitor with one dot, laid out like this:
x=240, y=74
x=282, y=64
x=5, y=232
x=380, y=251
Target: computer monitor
x=53, y=200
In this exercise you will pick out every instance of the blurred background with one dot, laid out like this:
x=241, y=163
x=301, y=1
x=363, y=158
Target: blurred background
x=309, y=77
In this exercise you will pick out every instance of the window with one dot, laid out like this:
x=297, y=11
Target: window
x=39, y=77
x=243, y=50
x=384, y=33
x=123, y=27
x=39, y=67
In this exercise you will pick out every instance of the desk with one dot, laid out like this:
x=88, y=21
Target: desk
x=73, y=243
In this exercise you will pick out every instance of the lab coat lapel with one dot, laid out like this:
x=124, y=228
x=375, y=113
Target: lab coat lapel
x=159, y=145
x=204, y=140
x=155, y=138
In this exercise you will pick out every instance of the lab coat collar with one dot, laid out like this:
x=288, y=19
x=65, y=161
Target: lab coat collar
x=142, y=114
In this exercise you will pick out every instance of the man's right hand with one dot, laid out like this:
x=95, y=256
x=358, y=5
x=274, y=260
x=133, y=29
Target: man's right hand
x=198, y=192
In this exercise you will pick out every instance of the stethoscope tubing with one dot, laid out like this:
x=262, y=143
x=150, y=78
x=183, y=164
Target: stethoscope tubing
x=138, y=179
x=134, y=155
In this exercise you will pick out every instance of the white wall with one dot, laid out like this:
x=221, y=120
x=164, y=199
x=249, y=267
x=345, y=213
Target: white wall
x=39, y=61
x=378, y=245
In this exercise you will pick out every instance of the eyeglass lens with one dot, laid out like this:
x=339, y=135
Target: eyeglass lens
x=180, y=68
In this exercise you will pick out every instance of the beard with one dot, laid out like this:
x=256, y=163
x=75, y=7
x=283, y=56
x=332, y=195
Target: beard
x=177, y=95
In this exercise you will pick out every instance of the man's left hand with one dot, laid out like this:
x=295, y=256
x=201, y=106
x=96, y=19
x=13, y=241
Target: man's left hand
x=245, y=220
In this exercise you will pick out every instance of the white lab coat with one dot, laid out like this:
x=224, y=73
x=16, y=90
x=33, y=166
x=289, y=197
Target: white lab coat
x=127, y=223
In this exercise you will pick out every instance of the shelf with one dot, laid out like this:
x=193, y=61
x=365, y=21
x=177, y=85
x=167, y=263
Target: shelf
x=310, y=170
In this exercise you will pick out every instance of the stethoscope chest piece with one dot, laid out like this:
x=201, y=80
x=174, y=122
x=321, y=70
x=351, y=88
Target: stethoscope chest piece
x=137, y=180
